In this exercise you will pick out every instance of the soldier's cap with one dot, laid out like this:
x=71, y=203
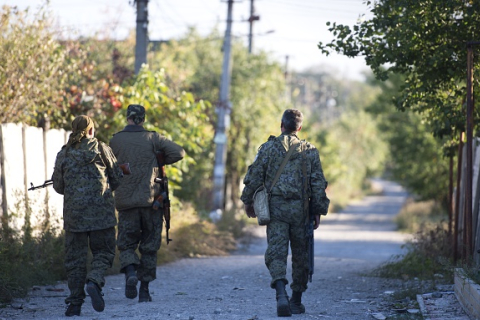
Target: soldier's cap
x=135, y=110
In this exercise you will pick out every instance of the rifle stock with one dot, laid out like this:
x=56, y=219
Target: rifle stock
x=125, y=168
x=163, y=200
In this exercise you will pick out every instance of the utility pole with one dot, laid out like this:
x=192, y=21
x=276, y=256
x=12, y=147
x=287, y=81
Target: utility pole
x=287, y=79
x=141, y=35
x=252, y=18
x=223, y=122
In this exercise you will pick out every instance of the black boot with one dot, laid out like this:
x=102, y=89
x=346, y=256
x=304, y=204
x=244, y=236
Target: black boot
x=73, y=310
x=96, y=295
x=283, y=305
x=296, y=303
x=131, y=281
x=144, y=294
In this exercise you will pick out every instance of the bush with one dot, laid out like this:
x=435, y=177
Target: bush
x=418, y=215
x=29, y=261
x=428, y=261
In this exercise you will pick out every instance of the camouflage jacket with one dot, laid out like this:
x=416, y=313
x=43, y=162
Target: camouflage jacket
x=137, y=146
x=86, y=174
x=290, y=184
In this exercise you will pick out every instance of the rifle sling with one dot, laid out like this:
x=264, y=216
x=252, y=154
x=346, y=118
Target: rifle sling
x=282, y=166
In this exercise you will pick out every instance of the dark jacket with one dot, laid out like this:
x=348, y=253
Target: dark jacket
x=137, y=146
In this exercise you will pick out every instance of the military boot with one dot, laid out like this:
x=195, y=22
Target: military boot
x=144, y=294
x=131, y=281
x=296, y=303
x=96, y=295
x=73, y=310
x=283, y=305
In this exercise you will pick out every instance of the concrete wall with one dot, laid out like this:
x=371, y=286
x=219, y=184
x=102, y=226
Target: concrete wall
x=467, y=293
x=27, y=155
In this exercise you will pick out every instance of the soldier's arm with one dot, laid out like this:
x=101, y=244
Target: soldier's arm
x=318, y=184
x=172, y=151
x=57, y=176
x=114, y=172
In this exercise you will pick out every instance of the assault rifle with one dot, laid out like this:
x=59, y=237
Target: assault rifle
x=163, y=200
x=124, y=166
x=45, y=184
x=310, y=243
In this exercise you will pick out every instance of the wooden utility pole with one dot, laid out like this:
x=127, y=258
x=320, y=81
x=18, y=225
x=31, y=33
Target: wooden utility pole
x=468, y=177
x=223, y=122
x=252, y=18
x=141, y=34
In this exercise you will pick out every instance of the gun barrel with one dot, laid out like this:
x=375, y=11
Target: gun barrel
x=45, y=184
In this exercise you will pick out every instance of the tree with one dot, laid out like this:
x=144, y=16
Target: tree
x=416, y=158
x=194, y=63
x=34, y=69
x=425, y=41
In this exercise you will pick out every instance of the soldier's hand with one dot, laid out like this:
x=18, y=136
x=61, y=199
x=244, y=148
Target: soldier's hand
x=317, y=222
x=250, y=211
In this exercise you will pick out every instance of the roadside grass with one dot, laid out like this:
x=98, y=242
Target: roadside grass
x=27, y=261
x=427, y=263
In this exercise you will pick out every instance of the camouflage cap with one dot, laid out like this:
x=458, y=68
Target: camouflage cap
x=135, y=110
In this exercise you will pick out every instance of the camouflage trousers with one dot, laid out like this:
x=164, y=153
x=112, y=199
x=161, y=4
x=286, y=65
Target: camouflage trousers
x=102, y=246
x=140, y=228
x=287, y=227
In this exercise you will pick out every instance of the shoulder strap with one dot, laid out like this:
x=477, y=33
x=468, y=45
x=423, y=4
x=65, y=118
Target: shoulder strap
x=306, y=201
x=284, y=163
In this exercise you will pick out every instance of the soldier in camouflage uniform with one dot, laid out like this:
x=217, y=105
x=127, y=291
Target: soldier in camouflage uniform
x=86, y=173
x=287, y=206
x=139, y=225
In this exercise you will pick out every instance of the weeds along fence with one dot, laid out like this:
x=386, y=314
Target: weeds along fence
x=27, y=155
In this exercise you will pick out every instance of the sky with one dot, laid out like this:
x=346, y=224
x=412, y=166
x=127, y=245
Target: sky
x=290, y=28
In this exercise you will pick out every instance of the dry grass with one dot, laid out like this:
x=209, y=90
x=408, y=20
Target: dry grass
x=416, y=216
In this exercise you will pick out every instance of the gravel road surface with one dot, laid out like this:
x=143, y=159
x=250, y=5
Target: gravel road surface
x=236, y=287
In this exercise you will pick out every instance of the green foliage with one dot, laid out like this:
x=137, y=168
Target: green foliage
x=194, y=63
x=425, y=41
x=350, y=144
x=416, y=158
x=179, y=118
x=354, y=151
x=33, y=68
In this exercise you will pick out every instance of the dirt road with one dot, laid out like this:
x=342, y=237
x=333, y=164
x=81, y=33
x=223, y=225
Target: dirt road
x=237, y=287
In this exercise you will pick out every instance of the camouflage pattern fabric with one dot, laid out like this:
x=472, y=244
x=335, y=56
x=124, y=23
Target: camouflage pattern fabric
x=136, y=112
x=86, y=173
x=288, y=217
x=102, y=245
x=140, y=228
x=290, y=183
x=287, y=226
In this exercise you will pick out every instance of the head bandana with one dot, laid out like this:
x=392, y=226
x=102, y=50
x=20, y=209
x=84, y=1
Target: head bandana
x=80, y=127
